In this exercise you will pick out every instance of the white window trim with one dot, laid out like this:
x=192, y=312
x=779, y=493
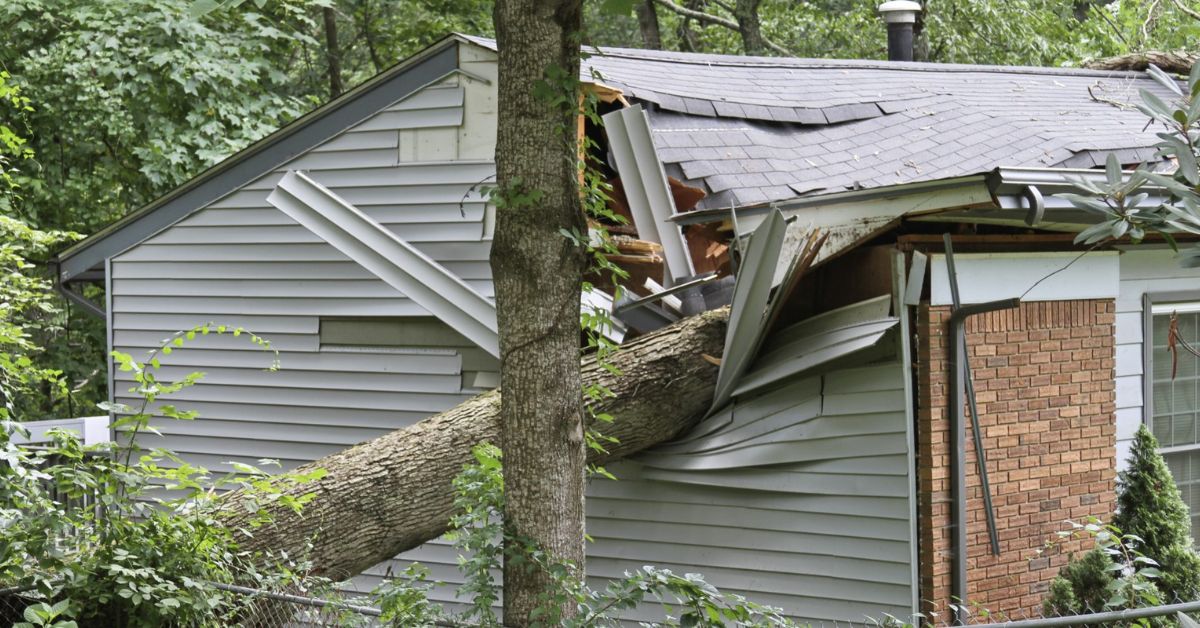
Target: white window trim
x=1157, y=304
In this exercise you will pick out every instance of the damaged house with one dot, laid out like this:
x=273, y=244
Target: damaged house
x=835, y=476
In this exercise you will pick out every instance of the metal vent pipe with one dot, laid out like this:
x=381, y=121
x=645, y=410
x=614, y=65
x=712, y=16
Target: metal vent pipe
x=900, y=16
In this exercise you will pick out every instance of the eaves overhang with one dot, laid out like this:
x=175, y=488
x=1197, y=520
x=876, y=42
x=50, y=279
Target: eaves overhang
x=261, y=157
x=1029, y=198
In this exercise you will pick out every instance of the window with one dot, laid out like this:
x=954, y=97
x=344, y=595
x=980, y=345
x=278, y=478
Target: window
x=1174, y=415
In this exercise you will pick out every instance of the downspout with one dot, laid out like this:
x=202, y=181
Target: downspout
x=958, y=387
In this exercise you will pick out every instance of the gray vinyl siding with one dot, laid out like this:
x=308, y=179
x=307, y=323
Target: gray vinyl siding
x=1144, y=270
x=826, y=537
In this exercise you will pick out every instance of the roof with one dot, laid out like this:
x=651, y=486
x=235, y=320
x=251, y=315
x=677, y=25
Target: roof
x=757, y=129
x=751, y=130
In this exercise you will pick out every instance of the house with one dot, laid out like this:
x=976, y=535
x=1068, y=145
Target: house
x=829, y=478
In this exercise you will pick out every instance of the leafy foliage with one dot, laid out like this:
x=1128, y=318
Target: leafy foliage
x=136, y=96
x=1081, y=586
x=1120, y=202
x=114, y=535
x=28, y=314
x=1145, y=557
x=1012, y=32
x=1116, y=575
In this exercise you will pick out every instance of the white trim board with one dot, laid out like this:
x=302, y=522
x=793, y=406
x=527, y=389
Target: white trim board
x=1064, y=276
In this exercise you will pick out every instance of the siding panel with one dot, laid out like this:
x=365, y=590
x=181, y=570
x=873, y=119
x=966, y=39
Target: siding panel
x=799, y=498
x=1144, y=270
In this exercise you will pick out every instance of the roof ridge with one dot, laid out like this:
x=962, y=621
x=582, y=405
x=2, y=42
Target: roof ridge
x=727, y=60
x=707, y=59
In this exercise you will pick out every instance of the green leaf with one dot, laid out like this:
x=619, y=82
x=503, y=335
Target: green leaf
x=1112, y=169
x=201, y=8
x=1164, y=79
x=617, y=7
x=1156, y=106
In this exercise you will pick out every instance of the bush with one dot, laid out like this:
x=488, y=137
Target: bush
x=1150, y=507
x=1082, y=586
x=133, y=556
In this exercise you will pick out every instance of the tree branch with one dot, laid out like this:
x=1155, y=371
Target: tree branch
x=1194, y=14
x=1178, y=62
x=715, y=20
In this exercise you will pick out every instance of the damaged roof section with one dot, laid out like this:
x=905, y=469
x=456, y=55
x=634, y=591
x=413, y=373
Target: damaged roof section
x=757, y=130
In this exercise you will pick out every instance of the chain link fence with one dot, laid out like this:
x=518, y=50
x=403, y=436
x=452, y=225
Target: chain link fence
x=251, y=608
x=256, y=608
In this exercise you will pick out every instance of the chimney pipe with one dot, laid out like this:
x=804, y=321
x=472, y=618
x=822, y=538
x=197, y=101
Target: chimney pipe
x=900, y=15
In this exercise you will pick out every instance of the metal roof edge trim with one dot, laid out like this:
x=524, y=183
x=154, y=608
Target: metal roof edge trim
x=834, y=198
x=1006, y=178
x=289, y=141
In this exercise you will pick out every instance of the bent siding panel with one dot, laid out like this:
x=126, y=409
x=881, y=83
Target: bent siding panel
x=823, y=532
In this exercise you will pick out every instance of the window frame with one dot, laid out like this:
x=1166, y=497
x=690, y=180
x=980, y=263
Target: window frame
x=1149, y=299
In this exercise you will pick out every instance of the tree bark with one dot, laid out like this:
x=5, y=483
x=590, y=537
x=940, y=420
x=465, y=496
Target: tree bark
x=538, y=274
x=647, y=18
x=749, y=26
x=393, y=493
x=1176, y=62
x=333, y=54
x=751, y=33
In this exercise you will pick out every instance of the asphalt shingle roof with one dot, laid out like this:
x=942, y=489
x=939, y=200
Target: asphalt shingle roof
x=757, y=129
x=752, y=130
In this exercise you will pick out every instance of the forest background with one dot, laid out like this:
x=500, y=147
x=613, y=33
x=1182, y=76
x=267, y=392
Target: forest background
x=107, y=104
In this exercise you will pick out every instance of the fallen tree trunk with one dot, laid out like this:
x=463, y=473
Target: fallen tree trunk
x=393, y=493
x=1175, y=62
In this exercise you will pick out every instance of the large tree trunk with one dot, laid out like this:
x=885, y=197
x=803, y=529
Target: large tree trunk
x=394, y=493
x=538, y=274
x=750, y=26
x=333, y=53
x=647, y=18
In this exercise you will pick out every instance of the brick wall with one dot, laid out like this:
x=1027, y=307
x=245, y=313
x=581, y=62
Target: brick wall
x=1044, y=386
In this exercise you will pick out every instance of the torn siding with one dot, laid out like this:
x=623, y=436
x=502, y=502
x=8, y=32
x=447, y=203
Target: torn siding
x=802, y=501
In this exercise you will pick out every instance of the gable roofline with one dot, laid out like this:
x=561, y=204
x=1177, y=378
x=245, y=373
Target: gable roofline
x=802, y=63
x=263, y=156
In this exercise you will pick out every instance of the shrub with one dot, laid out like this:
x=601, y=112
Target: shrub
x=1150, y=507
x=1082, y=585
x=134, y=556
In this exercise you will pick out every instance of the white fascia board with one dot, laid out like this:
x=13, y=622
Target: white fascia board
x=646, y=188
x=1064, y=276
x=388, y=257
